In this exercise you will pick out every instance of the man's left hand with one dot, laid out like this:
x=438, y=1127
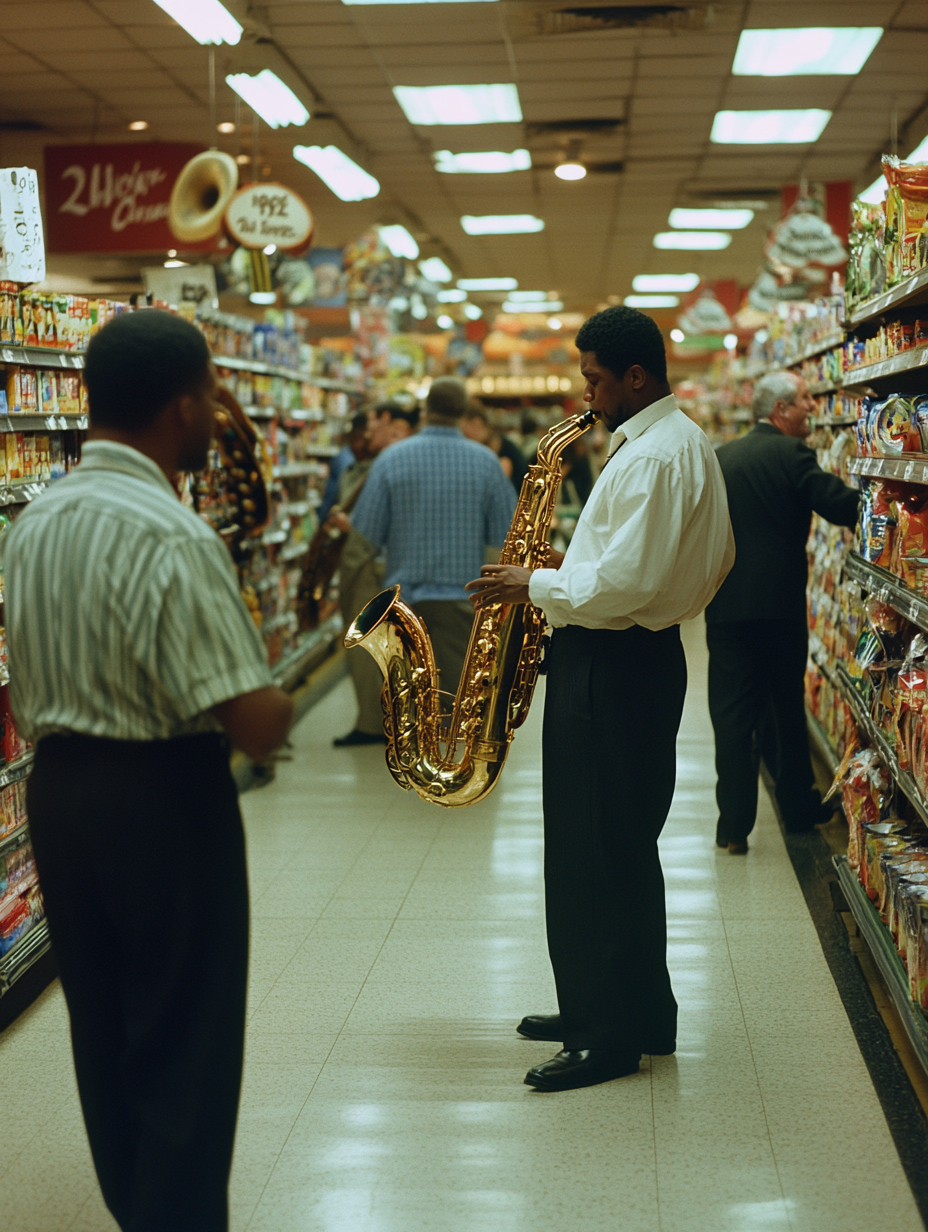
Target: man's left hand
x=500, y=584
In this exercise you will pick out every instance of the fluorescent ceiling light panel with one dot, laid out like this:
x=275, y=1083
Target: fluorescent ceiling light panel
x=501, y=224
x=540, y=305
x=698, y=219
x=451, y=297
x=651, y=301
x=418, y=1
x=337, y=171
x=399, y=241
x=435, y=270
x=486, y=162
x=786, y=127
x=665, y=282
x=207, y=21
x=488, y=284
x=267, y=95
x=692, y=241
x=472, y=312
x=818, y=50
x=528, y=295
x=490, y=104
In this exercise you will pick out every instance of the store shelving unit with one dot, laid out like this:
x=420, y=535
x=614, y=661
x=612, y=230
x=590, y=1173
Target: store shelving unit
x=905, y=361
x=889, y=589
x=911, y=291
x=827, y=343
x=880, y=944
x=291, y=374
x=911, y=470
x=41, y=357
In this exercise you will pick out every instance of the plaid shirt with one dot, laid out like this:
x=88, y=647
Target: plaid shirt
x=435, y=502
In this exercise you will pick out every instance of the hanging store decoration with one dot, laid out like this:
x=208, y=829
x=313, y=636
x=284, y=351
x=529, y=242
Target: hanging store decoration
x=114, y=198
x=803, y=239
x=200, y=196
x=262, y=215
x=22, y=242
x=706, y=316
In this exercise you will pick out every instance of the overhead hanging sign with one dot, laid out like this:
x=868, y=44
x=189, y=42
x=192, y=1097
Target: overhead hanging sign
x=264, y=214
x=114, y=198
x=185, y=284
x=22, y=244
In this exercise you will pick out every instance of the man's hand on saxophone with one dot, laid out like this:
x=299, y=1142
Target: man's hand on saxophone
x=500, y=584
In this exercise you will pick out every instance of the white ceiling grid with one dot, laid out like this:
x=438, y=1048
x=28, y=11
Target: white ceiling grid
x=87, y=67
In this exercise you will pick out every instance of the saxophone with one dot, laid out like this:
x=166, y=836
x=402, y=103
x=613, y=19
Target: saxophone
x=454, y=761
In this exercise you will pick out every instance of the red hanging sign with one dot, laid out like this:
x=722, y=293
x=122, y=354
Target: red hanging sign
x=113, y=198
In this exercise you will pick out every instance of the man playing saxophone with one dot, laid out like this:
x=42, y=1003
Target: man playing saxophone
x=652, y=546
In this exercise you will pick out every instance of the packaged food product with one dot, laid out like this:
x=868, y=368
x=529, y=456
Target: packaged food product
x=864, y=789
x=906, y=215
x=879, y=837
x=48, y=392
x=896, y=427
x=897, y=865
x=913, y=896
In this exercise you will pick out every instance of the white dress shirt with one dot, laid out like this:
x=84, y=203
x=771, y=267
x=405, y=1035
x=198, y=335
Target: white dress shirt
x=654, y=541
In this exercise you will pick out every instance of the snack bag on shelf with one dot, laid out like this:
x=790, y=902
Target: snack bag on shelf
x=903, y=883
x=910, y=701
x=877, y=524
x=897, y=864
x=906, y=215
x=910, y=546
x=883, y=836
x=864, y=787
x=914, y=896
x=896, y=427
x=921, y=958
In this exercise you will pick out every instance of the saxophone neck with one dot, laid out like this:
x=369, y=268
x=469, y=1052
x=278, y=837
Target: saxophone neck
x=553, y=443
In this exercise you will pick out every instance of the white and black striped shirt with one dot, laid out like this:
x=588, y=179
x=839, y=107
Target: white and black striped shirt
x=123, y=612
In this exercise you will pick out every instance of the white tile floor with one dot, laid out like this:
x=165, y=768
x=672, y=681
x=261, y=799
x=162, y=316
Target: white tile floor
x=395, y=948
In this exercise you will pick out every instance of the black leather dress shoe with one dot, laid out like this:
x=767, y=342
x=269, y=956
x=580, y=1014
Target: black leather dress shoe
x=358, y=737
x=548, y=1027
x=586, y=1067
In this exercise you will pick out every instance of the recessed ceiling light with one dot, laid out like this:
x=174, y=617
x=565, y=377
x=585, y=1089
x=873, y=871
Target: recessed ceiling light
x=175, y=264
x=696, y=219
x=730, y=341
x=207, y=21
x=487, y=284
x=554, y=323
x=538, y=305
x=677, y=335
x=266, y=94
x=451, y=297
x=435, y=270
x=488, y=104
x=445, y=322
x=778, y=127
x=243, y=159
x=485, y=162
x=818, y=50
x=692, y=241
x=665, y=282
x=337, y=171
x=501, y=224
x=263, y=297
x=472, y=312
x=138, y=126
x=225, y=126
x=570, y=171
x=269, y=249
x=399, y=241
x=651, y=301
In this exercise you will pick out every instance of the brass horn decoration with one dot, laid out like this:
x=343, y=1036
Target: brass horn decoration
x=200, y=196
x=500, y=671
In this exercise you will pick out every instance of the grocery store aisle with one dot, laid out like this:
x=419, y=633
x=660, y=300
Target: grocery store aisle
x=395, y=948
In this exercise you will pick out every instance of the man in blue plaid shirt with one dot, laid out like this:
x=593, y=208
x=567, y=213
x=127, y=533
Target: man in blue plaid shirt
x=436, y=502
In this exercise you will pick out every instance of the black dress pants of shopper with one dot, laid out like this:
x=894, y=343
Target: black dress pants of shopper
x=613, y=705
x=756, y=681
x=141, y=858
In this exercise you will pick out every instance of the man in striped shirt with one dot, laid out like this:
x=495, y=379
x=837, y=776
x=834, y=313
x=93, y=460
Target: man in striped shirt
x=130, y=651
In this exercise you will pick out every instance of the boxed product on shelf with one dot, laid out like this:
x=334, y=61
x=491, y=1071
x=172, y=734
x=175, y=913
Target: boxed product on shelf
x=19, y=913
x=12, y=807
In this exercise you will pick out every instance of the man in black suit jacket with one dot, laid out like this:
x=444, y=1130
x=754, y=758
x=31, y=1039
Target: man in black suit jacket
x=756, y=625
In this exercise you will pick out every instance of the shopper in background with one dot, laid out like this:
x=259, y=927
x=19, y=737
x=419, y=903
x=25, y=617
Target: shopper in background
x=756, y=625
x=531, y=435
x=360, y=571
x=130, y=650
x=650, y=549
x=436, y=502
x=355, y=450
x=476, y=427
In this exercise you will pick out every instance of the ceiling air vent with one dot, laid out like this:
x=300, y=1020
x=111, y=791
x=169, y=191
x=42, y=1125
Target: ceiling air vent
x=577, y=19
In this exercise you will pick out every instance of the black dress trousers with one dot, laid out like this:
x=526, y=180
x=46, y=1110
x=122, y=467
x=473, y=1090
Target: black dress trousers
x=141, y=858
x=613, y=705
x=757, y=685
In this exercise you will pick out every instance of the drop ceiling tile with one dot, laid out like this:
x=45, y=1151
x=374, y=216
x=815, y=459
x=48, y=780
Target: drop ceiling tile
x=323, y=36
x=746, y=93
x=66, y=15
x=667, y=105
x=768, y=14
x=690, y=43
x=328, y=77
x=134, y=13
x=325, y=11
x=430, y=28
x=348, y=59
x=50, y=39
x=674, y=71
x=96, y=61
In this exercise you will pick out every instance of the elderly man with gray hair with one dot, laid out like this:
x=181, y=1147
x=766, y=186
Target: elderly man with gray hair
x=756, y=625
